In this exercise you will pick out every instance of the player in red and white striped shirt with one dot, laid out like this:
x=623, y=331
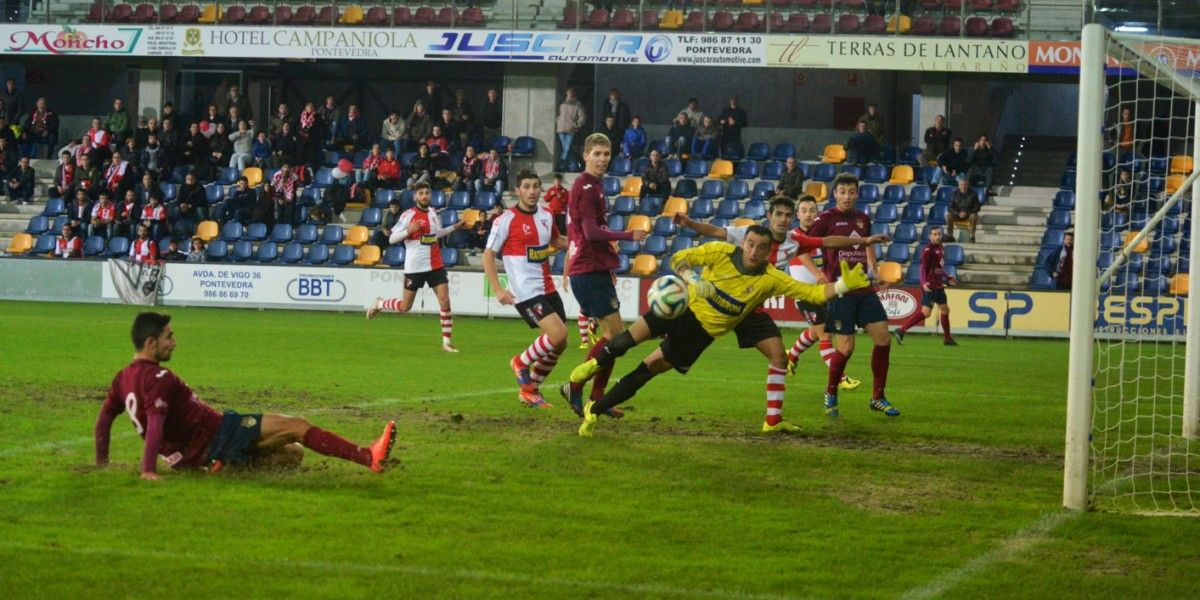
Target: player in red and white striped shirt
x=420, y=229
x=143, y=249
x=526, y=238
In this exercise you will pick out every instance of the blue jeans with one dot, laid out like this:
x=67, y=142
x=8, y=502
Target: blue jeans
x=565, y=140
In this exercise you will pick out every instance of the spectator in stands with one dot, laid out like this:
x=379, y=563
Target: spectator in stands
x=87, y=176
x=281, y=116
x=138, y=135
x=491, y=115
x=117, y=176
x=937, y=139
x=328, y=116
x=616, y=108
x=633, y=142
x=1125, y=132
x=43, y=127
x=6, y=132
x=129, y=212
x=439, y=148
x=193, y=208
x=732, y=120
x=983, y=162
x=704, y=143
x=1059, y=263
x=422, y=168
x=104, y=217
x=336, y=196
x=392, y=132
x=483, y=227
x=383, y=232
x=154, y=216
x=286, y=147
x=464, y=116
x=419, y=124
x=874, y=123
x=791, y=181
x=117, y=122
x=679, y=137
x=308, y=136
x=235, y=100
x=143, y=135
x=169, y=138
x=367, y=175
x=610, y=131
x=173, y=253
x=68, y=245
x=8, y=158
x=154, y=158
x=695, y=116
x=240, y=201
x=64, y=177
x=261, y=151
x=196, y=252
x=190, y=194
x=13, y=101
x=954, y=162
x=431, y=97
x=243, y=147
x=101, y=141
x=964, y=209
x=571, y=118
x=168, y=115
x=194, y=146
x=132, y=153
x=449, y=128
x=655, y=181
x=283, y=193
x=469, y=170
x=146, y=188
x=220, y=147
x=143, y=249
x=861, y=148
x=389, y=170
x=20, y=182
x=1120, y=197
x=556, y=201
x=77, y=148
x=79, y=214
x=494, y=173
x=352, y=130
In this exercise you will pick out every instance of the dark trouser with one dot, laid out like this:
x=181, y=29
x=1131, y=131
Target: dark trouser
x=24, y=193
x=285, y=213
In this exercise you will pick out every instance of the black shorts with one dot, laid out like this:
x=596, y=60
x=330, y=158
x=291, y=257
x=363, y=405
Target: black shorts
x=685, y=339
x=434, y=278
x=755, y=328
x=932, y=297
x=596, y=294
x=852, y=311
x=537, y=308
x=234, y=442
x=816, y=314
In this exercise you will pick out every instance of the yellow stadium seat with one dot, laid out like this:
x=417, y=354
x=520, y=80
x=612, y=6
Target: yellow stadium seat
x=644, y=265
x=632, y=186
x=254, y=176
x=674, y=206
x=471, y=216
x=639, y=223
x=890, y=272
x=1179, y=284
x=745, y=222
x=905, y=24
x=209, y=14
x=207, y=231
x=352, y=16
x=834, y=153
x=368, y=256
x=357, y=236
x=752, y=2
x=1181, y=165
x=817, y=190
x=721, y=169
x=1141, y=248
x=671, y=19
x=902, y=174
x=20, y=244
x=1174, y=182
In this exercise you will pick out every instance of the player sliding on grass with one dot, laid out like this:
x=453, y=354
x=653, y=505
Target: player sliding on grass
x=189, y=434
x=758, y=330
x=420, y=229
x=733, y=282
x=526, y=237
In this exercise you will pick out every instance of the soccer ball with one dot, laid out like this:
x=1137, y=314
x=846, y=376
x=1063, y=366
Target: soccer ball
x=667, y=296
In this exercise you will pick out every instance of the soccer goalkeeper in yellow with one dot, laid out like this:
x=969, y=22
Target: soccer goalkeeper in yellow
x=726, y=284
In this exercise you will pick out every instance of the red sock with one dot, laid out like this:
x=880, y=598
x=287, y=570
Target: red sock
x=912, y=321
x=776, y=388
x=879, y=369
x=593, y=352
x=803, y=343
x=392, y=304
x=330, y=444
x=600, y=382
x=582, y=321
x=946, y=327
x=837, y=368
x=826, y=347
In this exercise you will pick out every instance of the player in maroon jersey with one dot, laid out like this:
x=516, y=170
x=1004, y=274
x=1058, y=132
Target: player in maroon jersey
x=933, y=288
x=861, y=308
x=591, y=260
x=188, y=433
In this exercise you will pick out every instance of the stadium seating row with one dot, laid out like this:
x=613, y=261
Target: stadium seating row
x=374, y=16
x=796, y=22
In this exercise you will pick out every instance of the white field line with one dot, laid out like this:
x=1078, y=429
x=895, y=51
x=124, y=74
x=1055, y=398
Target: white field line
x=439, y=574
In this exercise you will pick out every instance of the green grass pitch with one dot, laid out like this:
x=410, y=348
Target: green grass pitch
x=958, y=497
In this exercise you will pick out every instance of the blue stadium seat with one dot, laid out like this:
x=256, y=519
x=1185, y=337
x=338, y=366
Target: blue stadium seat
x=937, y=215
x=763, y=190
x=623, y=265
x=931, y=176
x=460, y=200
x=623, y=205
x=783, y=152
x=1068, y=181
x=755, y=209
x=1065, y=200
x=746, y=169
x=712, y=188
x=897, y=253
x=217, y=251
x=912, y=274
x=650, y=205
x=306, y=233
x=438, y=200
x=1053, y=238
x=323, y=178
x=358, y=158
x=213, y=193
x=894, y=194
x=616, y=222
x=868, y=192
x=680, y=243
x=913, y=213
x=292, y=253
x=954, y=255
x=501, y=144
x=485, y=200
x=620, y=167
x=880, y=229
x=906, y=233
x=38, y=224
x=1059, y=219
x=824, y=172
x=1183, y=265
x=854, y=170
x=1159, y=265
x=1158, y=164
x=696, y=169
x=342, y=255
x=382, y=197
x=266, y=252
x=702, y=208
x=524, y=146
x=758, y=151
x=255, y=232
x=179, y=173
x=44, y=244
x=862, y=207
x=448, y=217
x=450, y=257
x=54, y=207
x=911, y=155
x=685, y=188
x=370, y=218
x=1041, y=280
x=59, y=221
x=728, y=209
x=242, y=251
x=875, y=173
x=920, y=194
x=885, y=213
x=612, y=186
x=311, y=196
x=737, y=190
x=655, y=245
x=1163, y=245
x=716, y=222
x=674, y=167
x=232, y=231
x=394, y=256
x=457, y=239
x=1168, y=226
x=660, y=145
x=227, y=176
x=772, y=170
x=332, y=234
x=1108, y=239
x=94, y=245
x=164, y=246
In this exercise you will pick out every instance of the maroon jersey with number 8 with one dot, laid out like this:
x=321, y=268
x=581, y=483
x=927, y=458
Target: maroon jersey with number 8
x=189, y=424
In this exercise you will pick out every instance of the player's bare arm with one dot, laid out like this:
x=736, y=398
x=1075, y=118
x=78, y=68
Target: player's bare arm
x=503, y=296
x=705, y=229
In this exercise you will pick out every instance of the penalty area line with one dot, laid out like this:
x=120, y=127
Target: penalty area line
x=412, y=570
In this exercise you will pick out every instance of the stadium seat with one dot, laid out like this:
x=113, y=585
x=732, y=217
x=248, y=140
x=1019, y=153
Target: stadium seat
x=1053, y=238
x=632, y=186
x=954, y=255
x=623, y=205
x=664, y=226
x=913, y=213
x=1041, y=280
x=241, y=251
x=868, y=192
x=894, y=194
x=612, y=186
x=822, y=23
x=728, y=209
x=834, y=154
x=644, y=265
x=38, y=225
x=854, y=170
x=616, y=222
x=450, y=256
x=650, y=206
x=674, y=167
x=394, y=256
x=253, y=175
x=746, y=169
x=656, y=245
x=1181, y=165
x=675, y=205
x=721, y=169
x=1179, y=284
x=620, y=167
x=758, y=151
x=368, y=256
x=357, y=236
x=906, y=233
x=1064, y=200
x=570, y=18
x=897, y=253
x=54, y=207
x=937, y=215
x=712, y=189
x=817, y=190
x=848, y=23
x=370, y=218
x=598, y=19
x=266, y=252
x=1174, y=183
x=737, y=190
x=629, y=247
x=460, y=200
x=232, y=231
x=824, y=172
x=1059, y=219
x=919, y=194
x=755, y=209
x=763, y=190
x=1141, y=248
x=783, y=152
x=624, y=20
x=342, y=255
x=439, y=201
x=306, y=233
x=332, y=235
x=702, y=208
x=292, y=253
x=696, y=169
x=890, y=272
x=902, y=174
x=885, y=213
x=950, y=26
x=772, y=170
x=424, y=17
x=23, y=242
x=447, y=217
x=685, y=188
x=638, y=223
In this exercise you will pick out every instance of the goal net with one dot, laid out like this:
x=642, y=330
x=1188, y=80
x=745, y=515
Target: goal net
x=1132, y=392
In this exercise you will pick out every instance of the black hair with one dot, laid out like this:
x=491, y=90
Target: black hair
x=759, y=230
x=845, y=179
x=781, y=201
x=527, y=174
x=148, y=325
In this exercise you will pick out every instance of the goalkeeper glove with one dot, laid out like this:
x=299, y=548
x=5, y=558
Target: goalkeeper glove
x=852, y=279
x=704, y=288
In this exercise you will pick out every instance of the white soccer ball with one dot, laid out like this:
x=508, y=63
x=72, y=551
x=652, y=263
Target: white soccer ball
x=667, y=296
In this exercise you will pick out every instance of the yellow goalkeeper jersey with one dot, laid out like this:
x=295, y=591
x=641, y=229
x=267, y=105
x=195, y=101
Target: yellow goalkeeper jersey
x=739, y=290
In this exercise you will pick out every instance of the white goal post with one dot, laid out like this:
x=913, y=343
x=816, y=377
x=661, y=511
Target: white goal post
x=1133, y=390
